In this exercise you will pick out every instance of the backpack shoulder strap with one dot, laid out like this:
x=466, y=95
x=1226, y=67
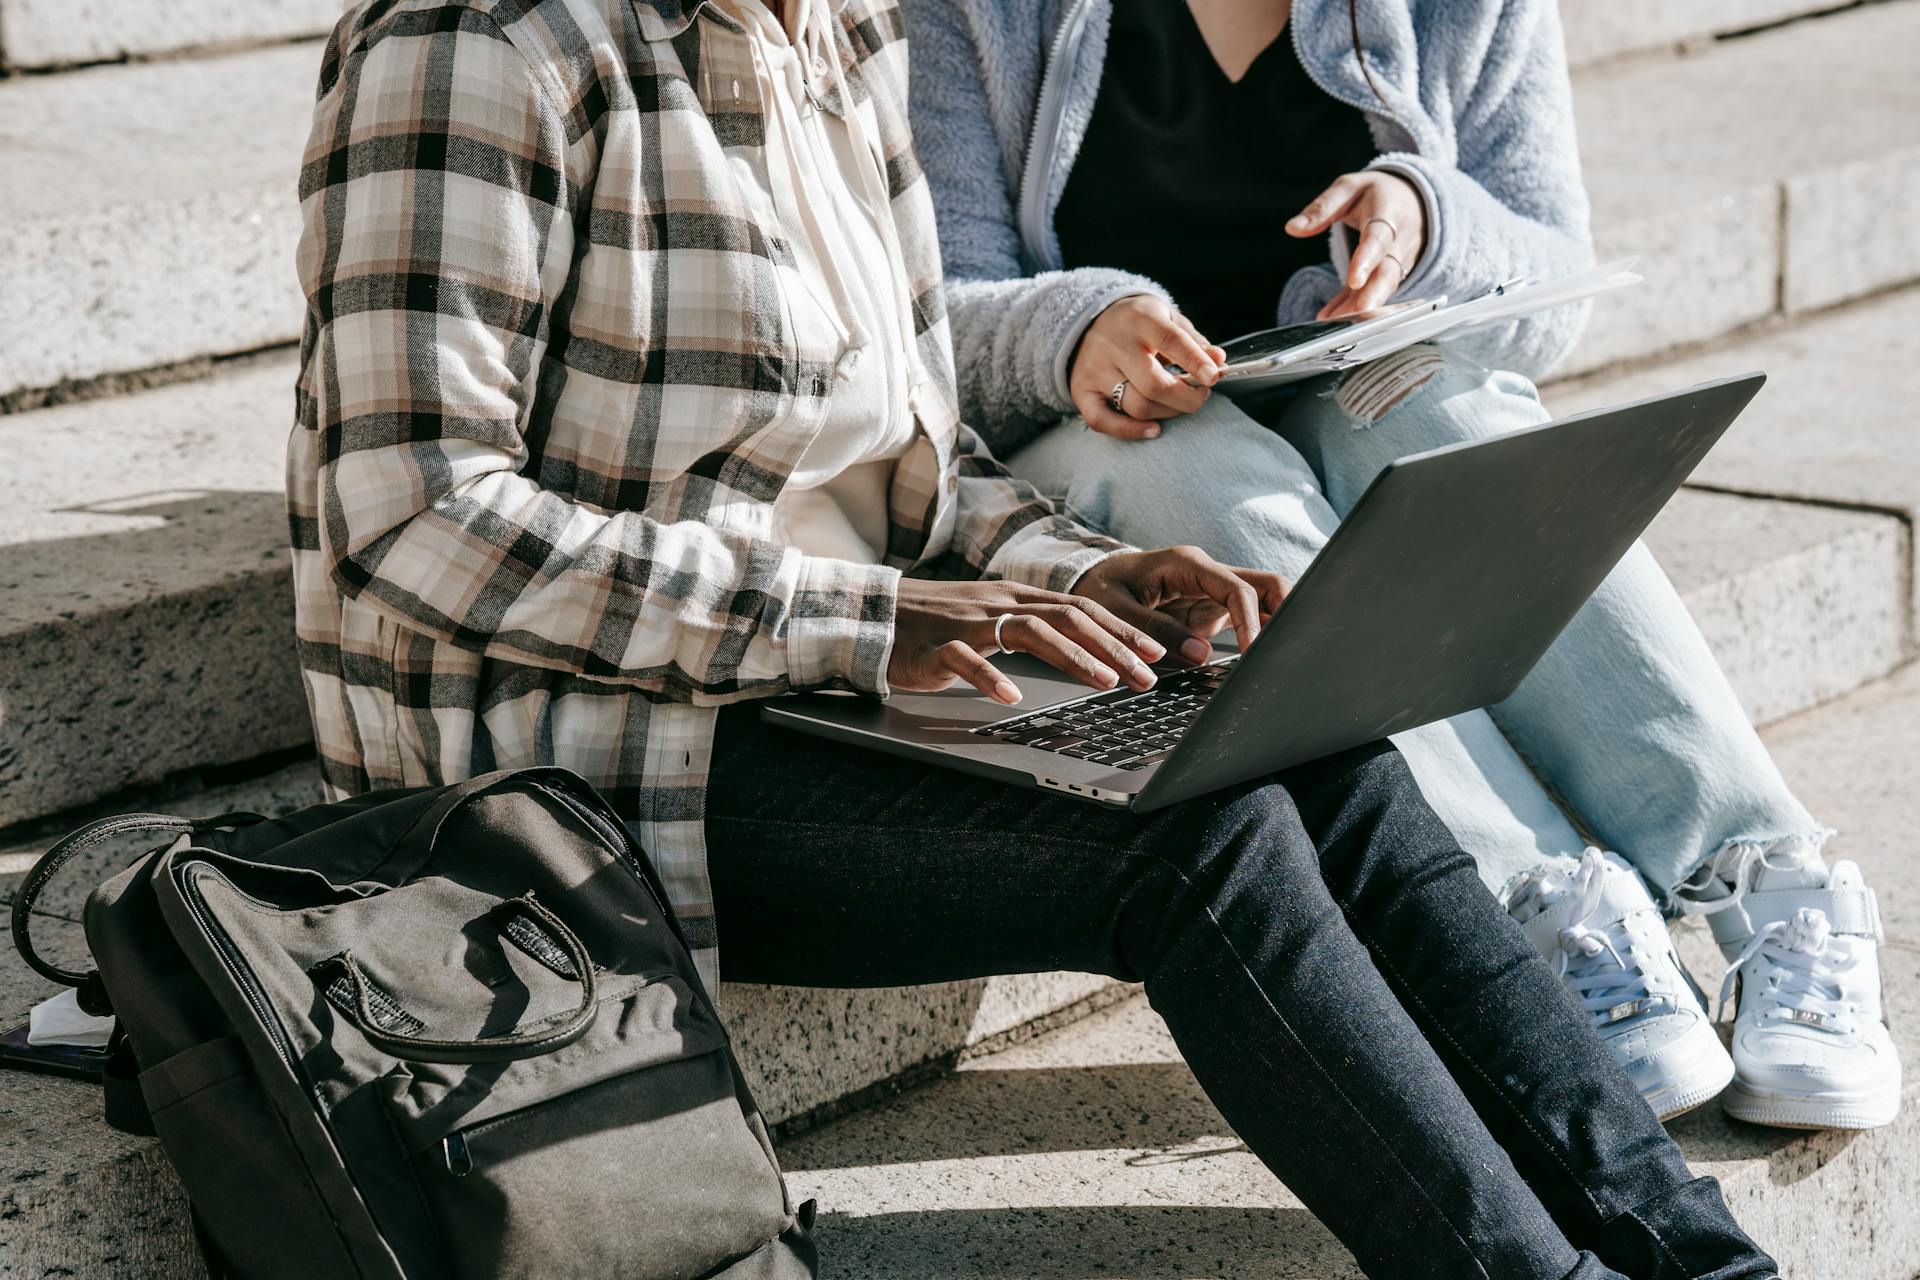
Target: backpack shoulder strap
x=92, y=995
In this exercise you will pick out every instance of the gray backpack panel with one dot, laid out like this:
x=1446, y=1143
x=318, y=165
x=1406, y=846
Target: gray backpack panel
x=433, y=1034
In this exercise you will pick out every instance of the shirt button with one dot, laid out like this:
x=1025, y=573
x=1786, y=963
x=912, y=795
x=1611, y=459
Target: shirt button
x=953, y=481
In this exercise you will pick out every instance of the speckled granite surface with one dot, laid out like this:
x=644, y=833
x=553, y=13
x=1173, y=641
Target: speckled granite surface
x=1089, y=1151
x=1596, y=31
x=145, y=599
x=1836, y=421
x=131, y=240
x=1814, y=605
x=1733, y=217
x=78, y=1199
x=50, y=32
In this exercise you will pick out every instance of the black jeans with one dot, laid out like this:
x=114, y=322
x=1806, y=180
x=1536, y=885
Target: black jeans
x=1344, y=988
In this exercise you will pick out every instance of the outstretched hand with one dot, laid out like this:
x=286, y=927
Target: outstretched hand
x=1391, y=219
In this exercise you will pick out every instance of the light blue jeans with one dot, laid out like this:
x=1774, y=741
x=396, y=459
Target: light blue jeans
x=1628, y=719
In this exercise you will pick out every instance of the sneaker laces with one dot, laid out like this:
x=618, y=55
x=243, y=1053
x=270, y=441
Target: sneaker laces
x=1732, y=866
x=1805, y=967
x=1591, y=960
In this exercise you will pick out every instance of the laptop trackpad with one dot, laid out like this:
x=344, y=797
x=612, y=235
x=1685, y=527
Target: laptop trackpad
x=951, y=714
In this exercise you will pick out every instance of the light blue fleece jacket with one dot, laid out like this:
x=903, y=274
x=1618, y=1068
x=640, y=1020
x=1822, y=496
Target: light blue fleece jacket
x=1474, y=108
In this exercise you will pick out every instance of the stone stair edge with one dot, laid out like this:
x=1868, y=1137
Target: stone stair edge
x=1599, y=34
x=145, y=610
x=1733, y=218
x=1833, y=427
x=125, y=249
x=1081, y=1136
x=46, y=36
x=200, y=705
x=219, y=554
x=53, y=36
x=1722, y=261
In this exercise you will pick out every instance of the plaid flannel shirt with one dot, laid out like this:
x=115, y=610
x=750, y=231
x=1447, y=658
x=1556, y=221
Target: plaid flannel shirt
x=550, y=390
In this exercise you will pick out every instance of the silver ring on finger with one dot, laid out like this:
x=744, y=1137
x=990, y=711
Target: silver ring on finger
x=1117, y=396
x=1393, y=232
x=1396, y=262
x=998, y=624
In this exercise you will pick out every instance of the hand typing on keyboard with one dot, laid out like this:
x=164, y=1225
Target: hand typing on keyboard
x=1122, y=728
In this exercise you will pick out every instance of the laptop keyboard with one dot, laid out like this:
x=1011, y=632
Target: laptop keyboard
x=1122, y=728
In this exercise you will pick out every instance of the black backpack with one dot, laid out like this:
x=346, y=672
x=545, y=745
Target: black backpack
x=442, y=1033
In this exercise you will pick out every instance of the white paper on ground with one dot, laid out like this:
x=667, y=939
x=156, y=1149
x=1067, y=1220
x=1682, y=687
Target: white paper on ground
x=61, y=1020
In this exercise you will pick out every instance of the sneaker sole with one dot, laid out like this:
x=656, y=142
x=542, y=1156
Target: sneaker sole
x=1684, y=1095
x=1783, y=1109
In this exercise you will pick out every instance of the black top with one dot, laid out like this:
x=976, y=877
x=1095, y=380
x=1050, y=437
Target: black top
x=1187, y=178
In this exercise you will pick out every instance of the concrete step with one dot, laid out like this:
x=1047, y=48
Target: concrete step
x=102, y=1205
x=1835, y=424
x=1800, y=603
x=42, y=34
x=1753, y=177
x=1086, y=1150
x=151, y=217
x=145, y=626
x=1090, y=1151
x=1598, y=32
x=76, y=1195
x=148, y=216
x=39, y=34
x=145, y=600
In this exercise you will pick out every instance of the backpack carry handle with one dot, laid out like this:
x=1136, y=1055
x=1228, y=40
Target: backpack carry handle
x=509, y=1048
x=93, y=997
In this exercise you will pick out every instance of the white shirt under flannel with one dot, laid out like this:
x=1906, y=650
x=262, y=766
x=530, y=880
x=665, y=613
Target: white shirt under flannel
x=550, y=390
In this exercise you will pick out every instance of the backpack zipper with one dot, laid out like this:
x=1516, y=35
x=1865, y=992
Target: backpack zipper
x=614, y=834
x=231, y=961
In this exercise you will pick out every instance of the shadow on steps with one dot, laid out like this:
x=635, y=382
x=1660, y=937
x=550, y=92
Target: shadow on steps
x=1084, y=1243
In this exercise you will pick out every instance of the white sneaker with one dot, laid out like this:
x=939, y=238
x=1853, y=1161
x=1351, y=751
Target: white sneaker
x=1596, y=923
x=1810, y=1044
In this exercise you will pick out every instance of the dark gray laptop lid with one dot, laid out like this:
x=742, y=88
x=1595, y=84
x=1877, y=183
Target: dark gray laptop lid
x=1446, y=583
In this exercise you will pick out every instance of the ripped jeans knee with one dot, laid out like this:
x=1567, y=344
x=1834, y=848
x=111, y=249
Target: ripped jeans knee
x=1348, y=426
x=1374, y=390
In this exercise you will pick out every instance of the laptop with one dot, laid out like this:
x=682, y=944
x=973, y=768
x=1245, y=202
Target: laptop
x=1438, y=593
